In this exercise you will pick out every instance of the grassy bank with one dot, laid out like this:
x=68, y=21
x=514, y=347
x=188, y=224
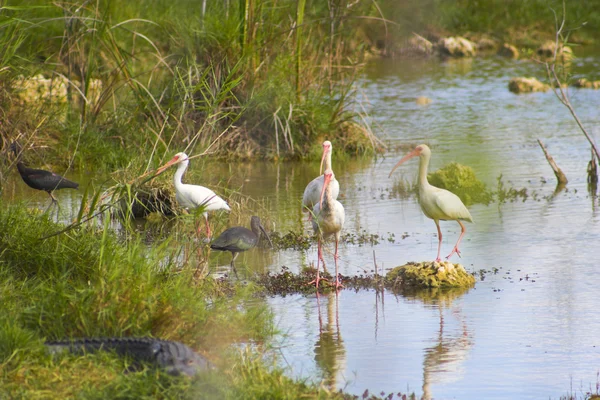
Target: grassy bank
x=266, y=79
x=86, y=283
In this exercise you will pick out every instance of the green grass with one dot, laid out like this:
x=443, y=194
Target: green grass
x=87, y=283
x=252, y=78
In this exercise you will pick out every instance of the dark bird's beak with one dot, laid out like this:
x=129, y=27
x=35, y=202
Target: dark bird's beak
x=15, y=148
x=262, y=229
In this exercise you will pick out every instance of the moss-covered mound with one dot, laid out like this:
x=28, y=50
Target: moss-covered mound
x=429, y=275
x=461, y=180
x=526, y=85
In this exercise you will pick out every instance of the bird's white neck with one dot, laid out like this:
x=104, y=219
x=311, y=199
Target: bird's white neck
x=179, y=173
x=423, y=166
x=327, y=161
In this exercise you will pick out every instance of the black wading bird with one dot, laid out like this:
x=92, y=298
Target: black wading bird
x=239, y=239
x=40, y=179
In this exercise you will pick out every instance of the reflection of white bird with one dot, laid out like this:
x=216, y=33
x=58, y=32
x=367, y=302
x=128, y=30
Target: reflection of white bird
x=193, y=196
x=329, y=216
x=437, y=204
x=312, y=193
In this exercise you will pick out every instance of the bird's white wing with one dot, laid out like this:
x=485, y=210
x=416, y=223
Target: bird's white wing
x=197, y=196
x=312, y=193
x=451, y=206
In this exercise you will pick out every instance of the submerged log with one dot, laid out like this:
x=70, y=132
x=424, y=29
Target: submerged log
x=560, y=176
x=592, y=171
x=429, y=274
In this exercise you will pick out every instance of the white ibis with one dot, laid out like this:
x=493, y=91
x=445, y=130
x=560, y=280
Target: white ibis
x=193, y=196
x=40, y=179
x=312, y=193
x=437, y=204
x=329, y=217
x=238, y=239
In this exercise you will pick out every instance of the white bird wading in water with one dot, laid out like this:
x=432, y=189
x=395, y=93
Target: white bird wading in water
x=312, y=193
x=437, y=204
x=329, y=217
x=193, y=196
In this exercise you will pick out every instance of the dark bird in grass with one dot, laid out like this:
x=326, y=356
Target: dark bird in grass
x=39, y=179
x=239, y=239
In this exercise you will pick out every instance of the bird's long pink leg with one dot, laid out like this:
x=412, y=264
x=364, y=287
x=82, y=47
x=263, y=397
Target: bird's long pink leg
x=463, y=230
x=336, y=257
x=437, y=224
x=319, y=257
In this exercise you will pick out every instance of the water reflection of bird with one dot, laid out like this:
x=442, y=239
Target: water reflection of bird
x=330, y=353
x=238, y=239
x=437, y=204
x=193, y=196
x=443, y=362
x=312, y=193
x=329, y=217
x=40, y=179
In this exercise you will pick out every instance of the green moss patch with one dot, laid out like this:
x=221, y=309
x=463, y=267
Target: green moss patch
x=461, y=180
x=429, y=274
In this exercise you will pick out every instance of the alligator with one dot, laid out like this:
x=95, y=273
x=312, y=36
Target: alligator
x=175, y=357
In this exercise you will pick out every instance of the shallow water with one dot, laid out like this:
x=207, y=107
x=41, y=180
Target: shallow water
x=528, y=331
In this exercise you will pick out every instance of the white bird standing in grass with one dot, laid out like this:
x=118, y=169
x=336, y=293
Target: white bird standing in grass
x=437, y=204
x=193, y=196
x=329, y=217
x=312, y=193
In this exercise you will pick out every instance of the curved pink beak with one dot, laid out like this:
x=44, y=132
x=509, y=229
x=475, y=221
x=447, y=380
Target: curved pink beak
x=327, y=179
x=326, y=150
x=410, y=155
x=172, y=161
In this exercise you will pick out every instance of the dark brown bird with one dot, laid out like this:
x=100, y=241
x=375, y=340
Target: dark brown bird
x=40, y=179
x=239, y=239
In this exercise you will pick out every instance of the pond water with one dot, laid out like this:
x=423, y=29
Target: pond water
x=528, y=331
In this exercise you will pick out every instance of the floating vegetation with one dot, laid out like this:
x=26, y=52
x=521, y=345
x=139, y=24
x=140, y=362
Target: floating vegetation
x=429, y=275
x=408, y=278
x=461, y=180
x=286, y=282
x=505, y=194
x=299, y=241
x=402, y=190
x=291, y=240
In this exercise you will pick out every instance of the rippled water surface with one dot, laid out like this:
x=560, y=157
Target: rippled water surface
x=528, y=331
